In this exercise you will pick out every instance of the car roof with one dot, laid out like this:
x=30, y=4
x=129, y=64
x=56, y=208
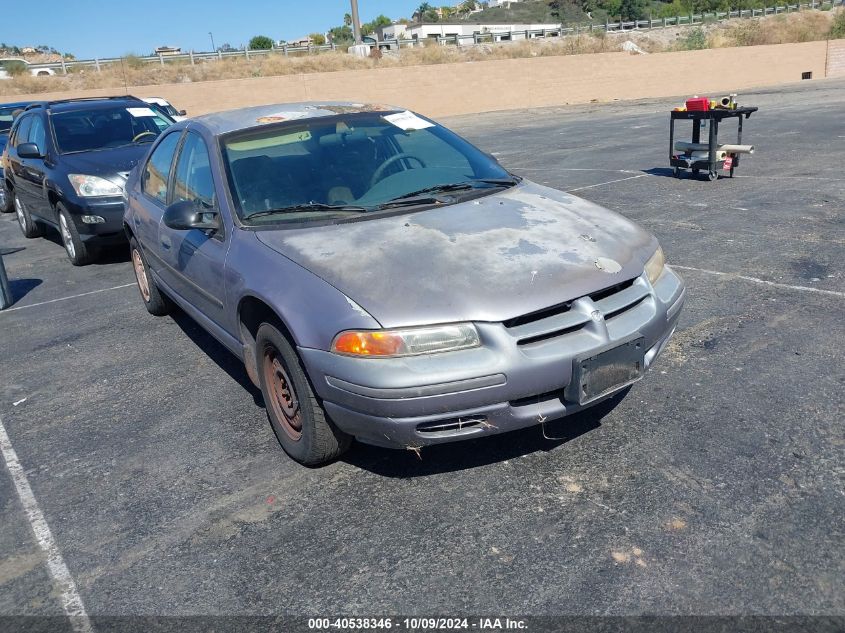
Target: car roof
x=245, y=118
x=90, y=103
x=18, y=104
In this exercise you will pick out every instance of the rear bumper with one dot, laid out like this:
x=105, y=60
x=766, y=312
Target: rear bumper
x=498, y=387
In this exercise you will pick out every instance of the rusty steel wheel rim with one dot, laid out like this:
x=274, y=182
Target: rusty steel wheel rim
x=141, y=275
x=282, y=395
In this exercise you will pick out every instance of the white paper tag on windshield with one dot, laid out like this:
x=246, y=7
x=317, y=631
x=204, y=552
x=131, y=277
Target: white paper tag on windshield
x=407, y=121
x=137, y=112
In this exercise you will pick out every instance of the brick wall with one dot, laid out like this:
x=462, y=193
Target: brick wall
x=836, y=58
x=465, y=88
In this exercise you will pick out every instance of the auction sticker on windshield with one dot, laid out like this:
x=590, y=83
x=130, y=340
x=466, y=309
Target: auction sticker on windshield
x=408, y=121
x=139, y=112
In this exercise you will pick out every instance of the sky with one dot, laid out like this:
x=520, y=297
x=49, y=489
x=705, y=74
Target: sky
x=112, y=28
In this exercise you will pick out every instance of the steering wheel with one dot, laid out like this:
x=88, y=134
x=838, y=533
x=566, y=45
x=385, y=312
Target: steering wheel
x=141, y=135
x=383, y=167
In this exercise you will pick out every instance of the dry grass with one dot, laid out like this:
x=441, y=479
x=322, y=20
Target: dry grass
x=132, y=72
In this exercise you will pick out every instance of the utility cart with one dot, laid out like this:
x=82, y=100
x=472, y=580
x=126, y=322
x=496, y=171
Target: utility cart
x=692, y=158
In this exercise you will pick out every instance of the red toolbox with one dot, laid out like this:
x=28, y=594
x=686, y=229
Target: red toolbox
x=698, y=104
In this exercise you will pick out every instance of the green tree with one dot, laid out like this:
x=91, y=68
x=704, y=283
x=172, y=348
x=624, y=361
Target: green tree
x=260, y=43
x=633, y=9
x=347, y=19
x=423, y=11
x=318, y=39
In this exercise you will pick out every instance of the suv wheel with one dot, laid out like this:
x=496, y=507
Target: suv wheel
x=155, y=302
x=297, y=417
x=29, y=227
x=77, y=251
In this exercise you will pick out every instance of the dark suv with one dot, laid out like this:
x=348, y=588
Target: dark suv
x=67, y=163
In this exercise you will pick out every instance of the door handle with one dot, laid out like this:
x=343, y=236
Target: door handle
x=166, y=243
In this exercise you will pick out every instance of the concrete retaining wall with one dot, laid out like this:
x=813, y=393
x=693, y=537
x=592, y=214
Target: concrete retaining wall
x=463, y=88
x=836, y=58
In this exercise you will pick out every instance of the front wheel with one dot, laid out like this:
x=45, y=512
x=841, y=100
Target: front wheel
x=713, y=176
x=295, y=413
x=78, y=252
x=29, y=227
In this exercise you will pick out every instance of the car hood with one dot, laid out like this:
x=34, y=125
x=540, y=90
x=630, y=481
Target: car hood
x=114, y=164
x=488, y=259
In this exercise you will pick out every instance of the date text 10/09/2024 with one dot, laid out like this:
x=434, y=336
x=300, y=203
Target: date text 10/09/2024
x=417, y=624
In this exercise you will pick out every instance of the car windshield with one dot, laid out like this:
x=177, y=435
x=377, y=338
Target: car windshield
x=351, y=164
x=106, y=128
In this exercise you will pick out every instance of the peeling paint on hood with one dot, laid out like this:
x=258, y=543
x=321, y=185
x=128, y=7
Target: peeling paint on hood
x=488, y=259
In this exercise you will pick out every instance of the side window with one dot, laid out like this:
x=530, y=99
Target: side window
x=193, y=173
x=22, y=132
x=157, y=170
x=37, y=133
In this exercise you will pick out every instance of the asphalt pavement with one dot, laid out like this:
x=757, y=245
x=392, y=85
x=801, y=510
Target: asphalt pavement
x=714, y=488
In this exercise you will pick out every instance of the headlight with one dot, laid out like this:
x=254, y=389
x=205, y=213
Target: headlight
x=91, y=186
x=654, y=266
x=407, y=342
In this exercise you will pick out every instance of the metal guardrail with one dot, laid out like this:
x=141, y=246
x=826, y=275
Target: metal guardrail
x=459, y=40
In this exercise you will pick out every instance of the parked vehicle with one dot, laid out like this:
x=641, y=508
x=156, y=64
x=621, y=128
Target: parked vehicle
x=11, y=66
x=166, y=107
x=381, y=278
x=7, y=117
x=66, y=164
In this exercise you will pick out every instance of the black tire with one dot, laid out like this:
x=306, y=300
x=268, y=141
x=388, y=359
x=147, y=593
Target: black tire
x=294, y=411
x=154, y=300
x=77, y=251
x=695, y=172
x=9, y=205
x=713, y=176
x=29, y=227
x=676, y=172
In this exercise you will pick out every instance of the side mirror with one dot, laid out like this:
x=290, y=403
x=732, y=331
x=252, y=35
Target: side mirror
x=183, y=113
x=29, y=150
x=189, y=214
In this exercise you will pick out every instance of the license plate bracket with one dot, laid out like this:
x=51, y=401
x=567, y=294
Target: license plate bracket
x=600, y=374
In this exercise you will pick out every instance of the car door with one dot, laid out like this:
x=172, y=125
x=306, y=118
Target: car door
x=195, y=258
x=148, y=198
x=35, y=170
x=17, y=165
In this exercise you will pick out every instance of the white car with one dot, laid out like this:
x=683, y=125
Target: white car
x=8, y=63
x=163, y=104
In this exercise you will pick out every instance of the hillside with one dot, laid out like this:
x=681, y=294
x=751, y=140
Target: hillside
x=528, y=12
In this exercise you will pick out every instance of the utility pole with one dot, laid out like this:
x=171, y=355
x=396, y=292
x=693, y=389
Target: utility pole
x=356, y=22
x=213, y=48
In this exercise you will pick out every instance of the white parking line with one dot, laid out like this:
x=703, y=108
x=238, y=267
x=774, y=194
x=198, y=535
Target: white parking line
x=83, y=294
x=761, y=281
x=609, y=182
x=71, y=600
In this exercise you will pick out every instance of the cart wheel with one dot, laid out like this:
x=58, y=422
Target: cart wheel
x=676, y=172
x=713, y=176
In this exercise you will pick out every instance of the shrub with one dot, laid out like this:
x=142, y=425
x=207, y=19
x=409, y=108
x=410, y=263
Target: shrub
x=837, y=29
x=694, y=40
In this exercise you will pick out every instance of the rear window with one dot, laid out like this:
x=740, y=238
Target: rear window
x=6, y=119
x=107, y=128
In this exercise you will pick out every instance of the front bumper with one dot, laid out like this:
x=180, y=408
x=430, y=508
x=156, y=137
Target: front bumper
x=519, y=377
x=105, y=233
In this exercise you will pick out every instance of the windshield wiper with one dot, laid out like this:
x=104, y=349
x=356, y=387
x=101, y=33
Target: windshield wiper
x=458, y=186
x=310, y=206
